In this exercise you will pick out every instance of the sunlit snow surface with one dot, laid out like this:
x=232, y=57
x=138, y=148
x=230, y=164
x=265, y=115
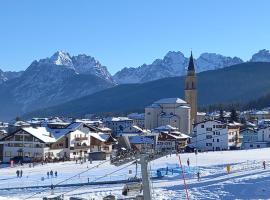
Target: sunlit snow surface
x=248, y=179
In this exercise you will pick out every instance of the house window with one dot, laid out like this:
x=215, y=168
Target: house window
x=8, y=154
x=214, y=126
x=208, y=144
x=202, y=126
x=208, y=136
x=258, y=146
x=217, y=140
x=208, y=129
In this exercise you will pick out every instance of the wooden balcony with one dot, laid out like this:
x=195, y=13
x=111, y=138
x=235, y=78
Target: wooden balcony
x=81, y=138
x=81, y=147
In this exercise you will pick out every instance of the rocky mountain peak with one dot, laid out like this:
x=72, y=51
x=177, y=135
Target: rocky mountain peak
x=261, y=56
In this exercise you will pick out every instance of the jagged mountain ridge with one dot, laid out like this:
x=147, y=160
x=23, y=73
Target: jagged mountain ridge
x=9, y=75
x=173, y=64
x=262, y=56
x=51, y=81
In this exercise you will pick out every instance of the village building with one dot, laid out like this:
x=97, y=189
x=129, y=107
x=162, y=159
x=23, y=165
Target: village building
x=256, y=115
x=170, y=139
x=138, y=119
x=77, y=140
x=214, y=135
x=26, y=144
x=57, y=140
x=117, y=124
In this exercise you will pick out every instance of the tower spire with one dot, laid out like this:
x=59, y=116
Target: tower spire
x=191, y=63
x=191, y=91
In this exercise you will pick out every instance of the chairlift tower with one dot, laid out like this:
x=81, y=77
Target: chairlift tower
x=147, y=194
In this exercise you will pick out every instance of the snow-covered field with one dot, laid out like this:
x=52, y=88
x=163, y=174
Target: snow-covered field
x=247, y=180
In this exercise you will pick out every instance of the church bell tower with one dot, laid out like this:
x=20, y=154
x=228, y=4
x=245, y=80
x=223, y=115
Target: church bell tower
x=191, y=91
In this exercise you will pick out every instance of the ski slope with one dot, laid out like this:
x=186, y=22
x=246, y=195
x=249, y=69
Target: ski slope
x=247, y=180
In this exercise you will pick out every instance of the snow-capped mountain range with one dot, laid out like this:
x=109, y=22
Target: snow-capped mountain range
x=52, y=81
x=175, y=64
x=81, y=64
x=62, y=77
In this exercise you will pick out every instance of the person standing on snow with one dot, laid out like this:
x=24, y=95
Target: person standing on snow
x=188, y=162
x=198, y=175
x=264, y=165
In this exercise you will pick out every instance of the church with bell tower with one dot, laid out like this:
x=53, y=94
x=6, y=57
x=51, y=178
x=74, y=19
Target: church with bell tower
x=191, y=90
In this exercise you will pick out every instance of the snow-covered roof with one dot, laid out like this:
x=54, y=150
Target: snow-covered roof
x=201, y=113
x=136, y=116
x=88, y=121
x=185, y=106
x=179, y=136
x=116, y=119
x=21, y=123
x=40, y=133
x=235, y=124
x=99, y=136
x=104, y=129
x=166, y=127
x=174, y=100
x=140, y=140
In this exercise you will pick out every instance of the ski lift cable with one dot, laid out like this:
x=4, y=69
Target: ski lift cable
x=108, y=174
x=68, y=178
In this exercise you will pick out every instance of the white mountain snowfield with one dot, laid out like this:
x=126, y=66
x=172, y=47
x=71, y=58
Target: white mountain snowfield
x=247, y=180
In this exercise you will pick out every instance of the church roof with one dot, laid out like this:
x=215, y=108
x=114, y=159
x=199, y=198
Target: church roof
x=171, y=101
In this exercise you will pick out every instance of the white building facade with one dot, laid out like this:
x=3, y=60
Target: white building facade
x=213, y=135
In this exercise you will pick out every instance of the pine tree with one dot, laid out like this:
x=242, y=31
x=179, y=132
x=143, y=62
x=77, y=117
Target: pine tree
x=221, y=114
x=234, y=116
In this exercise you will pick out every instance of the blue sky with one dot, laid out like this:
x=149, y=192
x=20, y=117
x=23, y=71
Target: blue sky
x=128, y=33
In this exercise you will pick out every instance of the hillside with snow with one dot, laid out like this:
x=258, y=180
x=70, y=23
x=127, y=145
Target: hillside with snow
x=246, y=180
